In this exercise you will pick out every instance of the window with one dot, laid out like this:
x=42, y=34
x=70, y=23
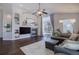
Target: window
x=47, y=26
x=68, y=25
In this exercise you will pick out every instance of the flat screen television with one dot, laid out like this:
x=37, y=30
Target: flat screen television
x=25, y=30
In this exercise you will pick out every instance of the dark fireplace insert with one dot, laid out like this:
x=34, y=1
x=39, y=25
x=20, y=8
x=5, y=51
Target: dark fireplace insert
x=25, y=30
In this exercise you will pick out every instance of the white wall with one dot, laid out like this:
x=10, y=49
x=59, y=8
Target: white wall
x=27, y=17
x=7, y=10
x=39, y=25
x=1, y=24
x=22, y=18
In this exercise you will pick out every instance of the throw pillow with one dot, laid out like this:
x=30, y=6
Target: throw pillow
x=74, y=37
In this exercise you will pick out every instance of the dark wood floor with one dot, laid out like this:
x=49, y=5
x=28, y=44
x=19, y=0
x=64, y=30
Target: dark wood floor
x=9, y=47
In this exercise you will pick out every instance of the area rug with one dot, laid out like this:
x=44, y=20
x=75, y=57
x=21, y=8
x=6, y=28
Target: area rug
x=37, y=48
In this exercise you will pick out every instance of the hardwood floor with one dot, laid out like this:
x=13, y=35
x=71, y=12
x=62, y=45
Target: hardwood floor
x=10, y=47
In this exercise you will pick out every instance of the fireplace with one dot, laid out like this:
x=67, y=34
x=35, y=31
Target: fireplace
x=25, y=30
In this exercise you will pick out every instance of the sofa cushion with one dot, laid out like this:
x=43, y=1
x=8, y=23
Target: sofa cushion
x=65, y=51
x=66, y=35
x=71, y=46
x=74, y=37
x=74, y=45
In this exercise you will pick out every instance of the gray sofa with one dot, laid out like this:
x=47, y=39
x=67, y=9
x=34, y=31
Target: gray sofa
x=66, y=51
x=58, y=49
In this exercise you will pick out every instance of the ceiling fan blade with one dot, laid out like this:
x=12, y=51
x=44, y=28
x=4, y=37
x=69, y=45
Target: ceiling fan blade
x=45, y=12
x=39, y=11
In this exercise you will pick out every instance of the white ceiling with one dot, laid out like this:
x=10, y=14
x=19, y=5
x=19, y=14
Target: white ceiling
x=49, y=7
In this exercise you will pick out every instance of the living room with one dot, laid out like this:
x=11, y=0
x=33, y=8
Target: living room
x=22, y=30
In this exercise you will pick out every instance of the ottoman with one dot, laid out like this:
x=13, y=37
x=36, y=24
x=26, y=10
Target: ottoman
x=50, y=44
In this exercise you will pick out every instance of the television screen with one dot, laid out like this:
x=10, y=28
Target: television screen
x=25, y=30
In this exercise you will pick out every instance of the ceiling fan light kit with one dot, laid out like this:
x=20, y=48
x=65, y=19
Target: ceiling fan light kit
x=40, y=11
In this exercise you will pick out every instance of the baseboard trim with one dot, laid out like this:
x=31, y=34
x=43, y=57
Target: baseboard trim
x=7, y=39
x=40, y=36
x=21, y=38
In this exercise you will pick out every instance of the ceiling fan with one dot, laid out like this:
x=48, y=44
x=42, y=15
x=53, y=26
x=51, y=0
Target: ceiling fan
x=40, y=11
